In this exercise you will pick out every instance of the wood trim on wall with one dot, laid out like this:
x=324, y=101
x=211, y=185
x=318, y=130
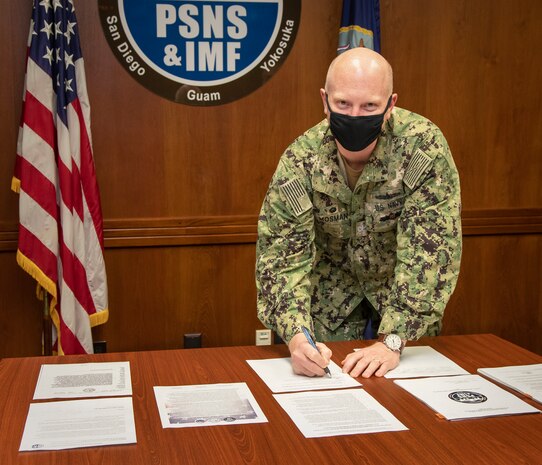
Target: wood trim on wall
x=491, y=222
x=151, y=232
x=241, y=229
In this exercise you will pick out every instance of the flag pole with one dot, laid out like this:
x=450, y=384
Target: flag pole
x=47, y=329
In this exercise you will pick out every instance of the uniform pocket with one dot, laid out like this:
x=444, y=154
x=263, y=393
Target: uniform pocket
x=382, y=210
x=331, y=217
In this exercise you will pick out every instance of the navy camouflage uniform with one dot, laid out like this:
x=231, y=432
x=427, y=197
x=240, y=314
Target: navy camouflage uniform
x=392, y=245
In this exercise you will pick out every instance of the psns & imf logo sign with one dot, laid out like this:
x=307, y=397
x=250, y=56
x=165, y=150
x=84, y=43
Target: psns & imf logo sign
x=201, y=52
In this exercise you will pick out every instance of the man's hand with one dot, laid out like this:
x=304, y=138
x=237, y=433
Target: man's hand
x=373, y=360
x=306, y=360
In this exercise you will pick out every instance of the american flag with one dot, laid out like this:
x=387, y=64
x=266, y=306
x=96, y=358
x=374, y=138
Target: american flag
x=60, y=218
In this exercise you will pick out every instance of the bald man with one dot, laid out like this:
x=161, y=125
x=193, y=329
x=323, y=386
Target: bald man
x=359, y=235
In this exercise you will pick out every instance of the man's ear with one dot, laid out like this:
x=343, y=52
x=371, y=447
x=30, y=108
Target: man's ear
x=394, y=98
x=323, y=97
x=392, y=105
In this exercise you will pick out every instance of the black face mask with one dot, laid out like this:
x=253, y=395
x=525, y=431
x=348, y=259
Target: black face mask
x=355, y=133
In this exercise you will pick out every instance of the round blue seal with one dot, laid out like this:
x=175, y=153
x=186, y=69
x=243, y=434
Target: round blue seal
x=201, y=52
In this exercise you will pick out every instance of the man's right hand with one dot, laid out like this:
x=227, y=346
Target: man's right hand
x=306, y=360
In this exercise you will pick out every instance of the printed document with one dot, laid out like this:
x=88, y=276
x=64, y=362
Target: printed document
x=207, y=405
x=466, y=396
x=337, y=413
x=84, y=380
x=526, y=379
x=79, y=423
x=279, y=376
x=422, y=361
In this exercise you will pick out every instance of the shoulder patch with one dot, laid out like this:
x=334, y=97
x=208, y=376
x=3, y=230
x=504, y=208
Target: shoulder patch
x=296, y=196
x=416, y=167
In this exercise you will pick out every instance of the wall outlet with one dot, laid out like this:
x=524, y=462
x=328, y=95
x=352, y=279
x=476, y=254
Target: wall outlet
x=192, y=341
x=263, y=337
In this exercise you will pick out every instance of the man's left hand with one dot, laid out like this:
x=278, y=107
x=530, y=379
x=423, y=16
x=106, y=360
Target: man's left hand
x=373, y=360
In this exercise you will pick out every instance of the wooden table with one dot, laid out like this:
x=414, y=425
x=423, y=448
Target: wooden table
x=507, y=440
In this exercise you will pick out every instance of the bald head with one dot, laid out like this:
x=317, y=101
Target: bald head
x=359, y=83
x=360, y=67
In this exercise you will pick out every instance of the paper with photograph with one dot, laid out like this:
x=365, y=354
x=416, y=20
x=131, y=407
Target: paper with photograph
x=207, y=405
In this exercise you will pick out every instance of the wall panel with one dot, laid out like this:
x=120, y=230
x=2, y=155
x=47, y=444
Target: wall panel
x=499, y=289
x=20, y=311
x=473, y=67
x=163, y=293
x=181, y=186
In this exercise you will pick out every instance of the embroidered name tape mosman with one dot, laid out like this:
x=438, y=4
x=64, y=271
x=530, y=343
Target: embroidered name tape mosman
x=296, y=196
x=201, y=52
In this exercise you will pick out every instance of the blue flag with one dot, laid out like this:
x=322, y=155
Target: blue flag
x=360, y=25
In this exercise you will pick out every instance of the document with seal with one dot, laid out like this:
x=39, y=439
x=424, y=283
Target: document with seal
x=71, y=424
x=465, y=396
x=526, y=379
x=68, y=380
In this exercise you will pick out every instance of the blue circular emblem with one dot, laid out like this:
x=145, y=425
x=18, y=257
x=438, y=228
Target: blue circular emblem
x=201, y=52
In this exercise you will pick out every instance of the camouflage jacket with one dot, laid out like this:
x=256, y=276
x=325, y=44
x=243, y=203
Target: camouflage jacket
x=395, y=240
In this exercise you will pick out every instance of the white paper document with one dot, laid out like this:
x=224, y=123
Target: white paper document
x=79, y=423
x=207, y=405
x=84, y=380
x=279, y=376
x=422, y=361
x=526, y=379
x=337, y=413
x=466, y=396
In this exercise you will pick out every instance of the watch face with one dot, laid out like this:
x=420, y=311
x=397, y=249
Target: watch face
x=393, y=342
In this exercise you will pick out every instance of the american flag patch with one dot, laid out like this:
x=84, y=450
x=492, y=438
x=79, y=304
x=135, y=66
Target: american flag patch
x=417, y=166
x=296, y=196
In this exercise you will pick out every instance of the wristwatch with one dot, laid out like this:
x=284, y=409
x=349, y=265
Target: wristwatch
x=392, y=342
